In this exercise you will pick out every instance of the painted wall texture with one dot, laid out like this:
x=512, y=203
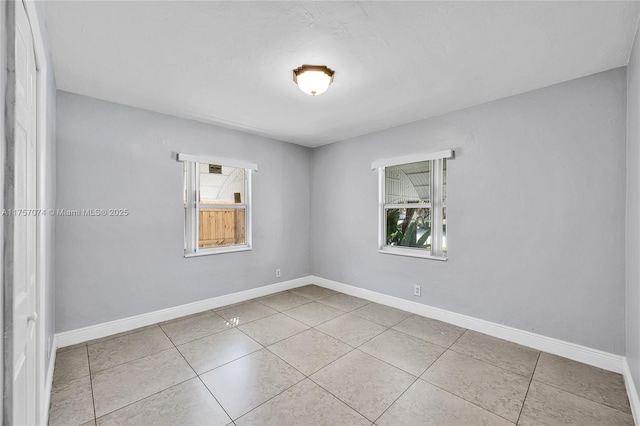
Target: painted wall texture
x=633, y=213
x=535, y=213
x=113, y=156
x=3, y=141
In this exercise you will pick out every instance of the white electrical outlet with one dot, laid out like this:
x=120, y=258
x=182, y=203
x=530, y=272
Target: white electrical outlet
x=278, y=273
x=417, y=291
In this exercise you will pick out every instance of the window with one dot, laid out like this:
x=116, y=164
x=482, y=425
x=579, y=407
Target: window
x=217, y=205
x=413, y=205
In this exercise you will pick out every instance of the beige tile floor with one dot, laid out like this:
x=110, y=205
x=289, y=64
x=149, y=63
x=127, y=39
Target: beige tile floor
x=311, y=356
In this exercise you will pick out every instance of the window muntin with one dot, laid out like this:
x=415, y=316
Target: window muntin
x=413, y=209
x=217, y=208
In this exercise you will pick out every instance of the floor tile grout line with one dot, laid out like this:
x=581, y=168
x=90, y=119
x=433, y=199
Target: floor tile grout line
x=253, y=352
x=334, y=318
x=121, y=334
x=226, y=363
x=457, y=338
x=142, y=399
x=341, y=309
x=494, y=365
x=395, y=366
x=344, y=355
x=134, y=359
x=315, y=371
x=490, y=363
x=288, y=363
x=155, y=393
x=304, y=376
x=431, y=319
x=231, y=327
x=312, y=326
x=431, y=365
x=253, y=320
x=262, y=403
x=355, y=347
x=61, y=350
x=212, y=395
x=458, y=396
x=228, y=327
x=466, y=400
x=528, y=387
x=574, y=394
x=396, y=399
x=283, y=292
x=387, y=362
x=93, y=397
x=384, y=325
x=580, y=396
x=56, y=380
x=198, y=376
x=420, y=338
x=339, y=399
x=417, y=378
x=295, y=334
x=186, y=317
x=293, y=290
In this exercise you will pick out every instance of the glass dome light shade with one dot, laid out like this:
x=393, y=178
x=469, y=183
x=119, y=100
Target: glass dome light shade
x=313, y=79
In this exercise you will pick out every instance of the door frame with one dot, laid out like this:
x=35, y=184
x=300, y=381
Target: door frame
x=43, y=383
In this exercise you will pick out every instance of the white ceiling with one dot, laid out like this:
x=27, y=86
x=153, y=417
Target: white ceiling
x=230, y=63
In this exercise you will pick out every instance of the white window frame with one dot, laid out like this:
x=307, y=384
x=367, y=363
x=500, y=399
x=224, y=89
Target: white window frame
x=436, y=205
x=192, y=204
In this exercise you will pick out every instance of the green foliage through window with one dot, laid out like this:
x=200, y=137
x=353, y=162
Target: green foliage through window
x=409, y=227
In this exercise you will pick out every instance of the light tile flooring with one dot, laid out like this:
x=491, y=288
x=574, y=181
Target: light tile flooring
x=311, y=356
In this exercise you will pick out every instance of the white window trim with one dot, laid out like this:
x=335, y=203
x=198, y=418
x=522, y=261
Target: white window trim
x=416, y=158
x=191, y=246
x=410, y=252
x=230, y=162
x=380, y=165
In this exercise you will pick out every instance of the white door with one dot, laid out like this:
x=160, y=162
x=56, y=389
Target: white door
x=24, y=226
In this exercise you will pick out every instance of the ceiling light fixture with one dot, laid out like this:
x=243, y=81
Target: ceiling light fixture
x=313, y=79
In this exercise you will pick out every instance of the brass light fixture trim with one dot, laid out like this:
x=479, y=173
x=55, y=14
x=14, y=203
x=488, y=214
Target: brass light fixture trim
x=323, y=78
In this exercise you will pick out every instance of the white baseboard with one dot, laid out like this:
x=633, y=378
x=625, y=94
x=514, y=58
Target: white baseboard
x=48, y=385
x=573, y=351
x=97, y=331
x=632, y=392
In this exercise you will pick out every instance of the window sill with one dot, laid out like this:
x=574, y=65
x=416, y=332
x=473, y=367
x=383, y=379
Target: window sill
x=208, y=252
x=397, y=251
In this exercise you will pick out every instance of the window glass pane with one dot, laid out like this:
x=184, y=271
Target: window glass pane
x=408, y=183
x=184, y=182
x=409, y=227
x=444, y=229
x=221, y=184
x=221, y=227
x=444, y=181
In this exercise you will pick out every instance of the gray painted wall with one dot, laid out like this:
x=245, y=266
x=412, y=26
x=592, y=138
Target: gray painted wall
x=113, y=156
x=633, y=213
x=536, y=212
x=3, y=141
